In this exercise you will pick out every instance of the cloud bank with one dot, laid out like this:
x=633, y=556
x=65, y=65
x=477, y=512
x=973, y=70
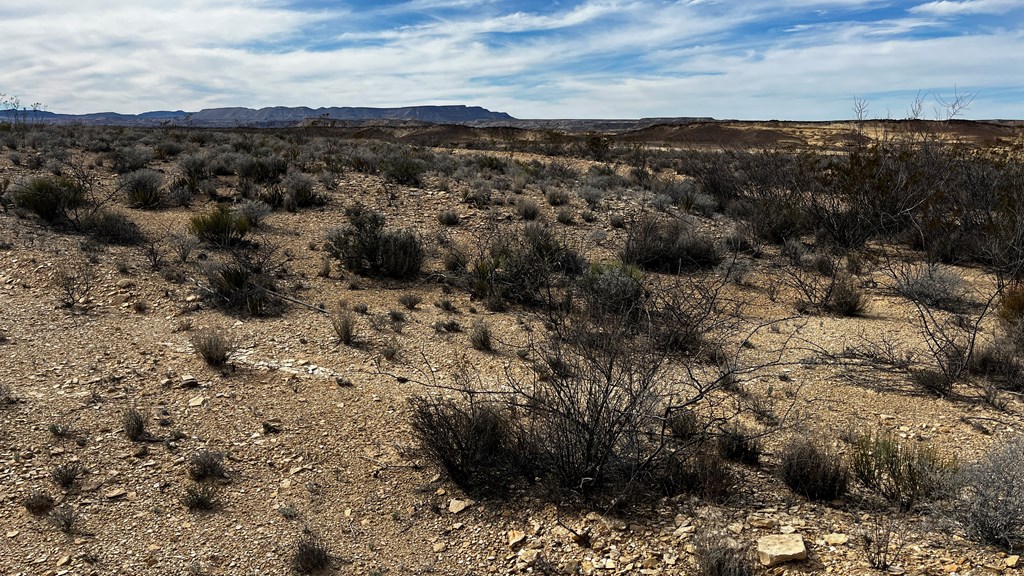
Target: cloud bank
x=755, y=59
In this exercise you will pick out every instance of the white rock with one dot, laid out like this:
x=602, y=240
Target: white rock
x=780, y=548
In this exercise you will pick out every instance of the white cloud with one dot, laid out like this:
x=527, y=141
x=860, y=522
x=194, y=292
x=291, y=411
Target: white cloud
x=957, y=7
x=599, y=58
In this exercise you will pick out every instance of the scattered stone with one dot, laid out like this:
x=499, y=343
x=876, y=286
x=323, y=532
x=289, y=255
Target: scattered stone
x=836, y=539
x=780, y=548
x=1012, y=561
x=115, y=493
x=529, y=556
x=769, y=523
x=516, y=538
x=197, y=401
x=456, y=505
x=272, y=426
x=440, y=547
x=189, y=381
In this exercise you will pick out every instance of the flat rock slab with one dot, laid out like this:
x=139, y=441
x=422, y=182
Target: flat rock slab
x=780, y=548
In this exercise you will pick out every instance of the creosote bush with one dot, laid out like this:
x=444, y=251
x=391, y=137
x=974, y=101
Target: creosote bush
x=365, y=247
x=903, y=473
x=814, y=472
x=668, y=245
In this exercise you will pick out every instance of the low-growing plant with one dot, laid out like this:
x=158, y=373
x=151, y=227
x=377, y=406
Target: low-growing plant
x=740, y=445
x=311, y=555
x=254, y=211
x=133, y=423
x=480, y=337
x=143, y=188
x=668, y=245
x=449, y=218
x=903, y=473
x=38, y=502
x=932, y=285
x=812, y=471
x=990, y=506
x=66, y=474
x=49, y=197
x=528, y=210
x=213, y=345
x=344, y=327
x=720, y=555
x=114, y=228
x=64, y=518
x=206, y=464
x=130, y=159
x=200, y=498
x=365, y=247
x=410, y=301
x=299, y=192
x=221, y=226
x=468, y=440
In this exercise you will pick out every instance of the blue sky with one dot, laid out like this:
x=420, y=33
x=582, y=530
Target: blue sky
x=747, y=59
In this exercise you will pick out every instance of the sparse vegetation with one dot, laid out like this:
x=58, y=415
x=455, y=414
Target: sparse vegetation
x=814, y=472
x=213, y=345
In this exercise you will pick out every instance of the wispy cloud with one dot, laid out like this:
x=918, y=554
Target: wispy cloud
x=584, y=58
x=955, y=7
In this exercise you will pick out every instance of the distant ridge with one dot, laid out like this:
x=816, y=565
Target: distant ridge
x=276, y=116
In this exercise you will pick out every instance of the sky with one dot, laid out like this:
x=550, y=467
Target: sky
x=728, y=59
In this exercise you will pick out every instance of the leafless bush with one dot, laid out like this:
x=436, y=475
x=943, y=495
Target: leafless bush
x=991, y=503
x=74, y=281
x=883, y=542
x=932, y=285
x=720, y=555
x=344, y=327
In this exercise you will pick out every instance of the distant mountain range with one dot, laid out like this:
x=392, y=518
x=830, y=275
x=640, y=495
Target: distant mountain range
x=276, y=116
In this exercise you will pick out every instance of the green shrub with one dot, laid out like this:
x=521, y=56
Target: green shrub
x=130, y=159
x=299, y=192
x=49, y=197
x=903, y=473
x=365, y=247
x=221, y=226
x=403, y=169
x=143, y=188
x=814, y=472
x=244, y=285
x=113, y=228
x=668, y=246
x=613, y=289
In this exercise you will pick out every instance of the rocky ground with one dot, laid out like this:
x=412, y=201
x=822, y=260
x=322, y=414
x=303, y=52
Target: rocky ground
x=315, y=434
